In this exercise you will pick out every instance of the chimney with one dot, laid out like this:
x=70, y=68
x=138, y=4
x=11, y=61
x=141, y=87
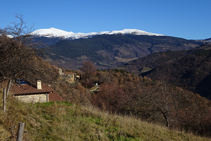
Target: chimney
x=39, y=85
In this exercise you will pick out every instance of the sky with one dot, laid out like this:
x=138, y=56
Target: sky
x=189, y=19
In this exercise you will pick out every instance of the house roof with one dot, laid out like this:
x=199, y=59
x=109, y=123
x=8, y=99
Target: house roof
x=17, y=89
x=20, y=89
x=53, y=96
x=27, y=89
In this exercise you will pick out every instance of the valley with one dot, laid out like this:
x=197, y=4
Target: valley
x=107, y=85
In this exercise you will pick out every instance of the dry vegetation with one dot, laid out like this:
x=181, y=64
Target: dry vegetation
x=153, y=101
x=64, y=122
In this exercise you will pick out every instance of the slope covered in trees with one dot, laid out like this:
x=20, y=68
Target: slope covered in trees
x=152, y=61
x=191, y=71
x=153, y=101
x=108, y=51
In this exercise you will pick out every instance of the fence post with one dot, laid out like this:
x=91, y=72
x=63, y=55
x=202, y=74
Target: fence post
x=4, y=100
x=20, y=131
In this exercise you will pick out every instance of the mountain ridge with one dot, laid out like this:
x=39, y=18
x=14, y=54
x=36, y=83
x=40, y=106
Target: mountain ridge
x=111, y=50
x=54, y=32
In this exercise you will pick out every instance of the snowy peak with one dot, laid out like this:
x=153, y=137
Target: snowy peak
x=53, y=32
x=135, y=32
x=208, y=40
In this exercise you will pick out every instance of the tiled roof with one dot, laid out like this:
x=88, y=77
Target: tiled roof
x=55, y=97
x=18, y=89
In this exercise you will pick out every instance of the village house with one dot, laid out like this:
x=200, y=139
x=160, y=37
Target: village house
x=26, y=92
x=70, y=77
x=59, y=70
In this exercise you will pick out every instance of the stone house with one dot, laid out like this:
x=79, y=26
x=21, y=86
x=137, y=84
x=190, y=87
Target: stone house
x=40, y=92
x=70, y=77
x=60, y=72
x=67, y=76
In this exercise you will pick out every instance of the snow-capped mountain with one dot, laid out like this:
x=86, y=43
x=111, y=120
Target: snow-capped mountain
x=53, y=32
x=208, y=40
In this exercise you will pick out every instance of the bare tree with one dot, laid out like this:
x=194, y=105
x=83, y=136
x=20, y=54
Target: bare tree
x=18, y=53
x=88, y=67
x=162, y=102
x=88, y=70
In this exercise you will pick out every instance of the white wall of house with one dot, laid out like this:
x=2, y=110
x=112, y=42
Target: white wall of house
x=33, y=98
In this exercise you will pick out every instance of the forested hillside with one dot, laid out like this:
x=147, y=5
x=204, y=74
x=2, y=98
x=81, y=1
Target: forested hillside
x=153, y=101
x=191, y=71
x=152, y=61
x=108, y=51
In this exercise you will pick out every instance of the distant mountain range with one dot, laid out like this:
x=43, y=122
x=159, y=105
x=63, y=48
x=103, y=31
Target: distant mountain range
x=106, y=49
x=208, y=40
x=53, y=32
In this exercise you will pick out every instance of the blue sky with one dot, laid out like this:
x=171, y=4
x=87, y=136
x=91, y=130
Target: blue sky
x=190, y=19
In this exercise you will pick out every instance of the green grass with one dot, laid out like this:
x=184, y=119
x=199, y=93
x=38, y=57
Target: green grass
x=63, y=121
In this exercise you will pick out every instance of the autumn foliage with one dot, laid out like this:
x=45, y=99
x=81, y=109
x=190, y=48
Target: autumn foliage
x=125, y=93
x=88, y=70
x=110, y=97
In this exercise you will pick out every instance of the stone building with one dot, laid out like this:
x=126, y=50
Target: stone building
x=60, y=72
x=70, y=77
x=40, y=92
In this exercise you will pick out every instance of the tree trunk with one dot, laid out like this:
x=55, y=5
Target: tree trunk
x=9, y=86
x=4, y=100
x=166, y=119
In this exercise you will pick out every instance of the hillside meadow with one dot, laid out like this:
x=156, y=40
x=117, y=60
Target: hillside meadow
x=63, y=121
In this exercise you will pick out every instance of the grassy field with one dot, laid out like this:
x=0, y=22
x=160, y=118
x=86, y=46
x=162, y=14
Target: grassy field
x=62, y=121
